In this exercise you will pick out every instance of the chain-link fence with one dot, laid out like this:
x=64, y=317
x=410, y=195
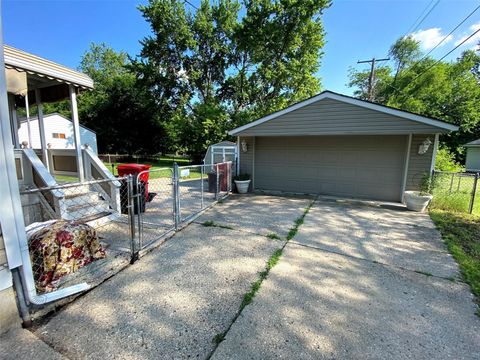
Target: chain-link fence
x=81, y=232
x=78, y=232
x=155, y=199
x=199, y=186
x=456, y=191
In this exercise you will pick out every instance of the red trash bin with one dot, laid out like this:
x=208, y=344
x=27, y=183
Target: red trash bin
x=135, y=169
x=224, y=169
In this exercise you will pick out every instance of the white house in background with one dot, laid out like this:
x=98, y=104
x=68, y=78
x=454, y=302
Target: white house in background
x=58, y=133
x=472, y=162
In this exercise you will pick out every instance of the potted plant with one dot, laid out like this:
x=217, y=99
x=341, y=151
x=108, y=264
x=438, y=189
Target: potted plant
x=419, y=200
x=242, y=183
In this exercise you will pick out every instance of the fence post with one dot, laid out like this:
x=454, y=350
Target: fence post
x=217, y=191
x=229, y=184
x=131, y=218
x=451, y=184
x=201, y=183
x=176, y=196
x=472, y=199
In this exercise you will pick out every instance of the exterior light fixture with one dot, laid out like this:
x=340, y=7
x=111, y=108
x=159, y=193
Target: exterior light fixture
x=424, y=146
x=244, y=146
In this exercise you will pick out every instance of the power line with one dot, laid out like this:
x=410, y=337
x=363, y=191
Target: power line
x=417, y=23
x=444, y=56
x=189, y=3
x=451, y=32
x=445, y=37
x=426, y=15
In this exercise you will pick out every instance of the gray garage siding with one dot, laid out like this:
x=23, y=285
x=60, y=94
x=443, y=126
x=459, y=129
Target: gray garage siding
x=332, y=117
x=358, y=166
x=418, y=165
x=472, y=162
x=246, y=158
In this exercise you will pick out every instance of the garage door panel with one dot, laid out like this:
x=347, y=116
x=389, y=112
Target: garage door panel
x=353, y=166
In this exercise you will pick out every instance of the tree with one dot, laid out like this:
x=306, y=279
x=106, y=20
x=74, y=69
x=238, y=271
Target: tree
x=405, y=52
x=213, y=69
x=119, y=110
x=445, y=90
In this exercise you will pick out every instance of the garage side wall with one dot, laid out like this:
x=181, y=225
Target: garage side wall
x=247, y=158
x=473, y=159
x=419, y=165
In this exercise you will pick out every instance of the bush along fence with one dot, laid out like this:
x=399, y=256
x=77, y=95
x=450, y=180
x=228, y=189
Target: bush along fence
x=456, y=191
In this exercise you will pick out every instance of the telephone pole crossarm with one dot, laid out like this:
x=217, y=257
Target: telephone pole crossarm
x=371, y=78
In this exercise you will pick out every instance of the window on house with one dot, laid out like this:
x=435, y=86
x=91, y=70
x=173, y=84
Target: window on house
x=58, y=135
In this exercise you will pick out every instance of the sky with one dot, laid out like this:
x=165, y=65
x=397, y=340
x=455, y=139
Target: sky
x=61, y=31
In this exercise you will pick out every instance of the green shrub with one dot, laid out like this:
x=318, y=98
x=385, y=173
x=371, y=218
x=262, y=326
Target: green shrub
x=445, y=161
x=242, y=177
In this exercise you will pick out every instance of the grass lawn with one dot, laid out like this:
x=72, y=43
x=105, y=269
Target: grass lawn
x=160, y=168
x=61, y=179
x=461, y=233
x=454, y=194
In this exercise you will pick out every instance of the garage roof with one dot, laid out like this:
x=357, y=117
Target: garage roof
x=475, y=143
x=329, y=113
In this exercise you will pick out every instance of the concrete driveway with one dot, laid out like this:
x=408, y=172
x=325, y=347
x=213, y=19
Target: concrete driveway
x=174, y=301
x=360, y=280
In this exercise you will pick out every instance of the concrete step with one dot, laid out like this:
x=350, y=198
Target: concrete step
x=77, y=212
x=76, y=190
x=80, y=199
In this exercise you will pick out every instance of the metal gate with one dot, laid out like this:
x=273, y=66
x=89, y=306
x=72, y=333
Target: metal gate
x=168, y=198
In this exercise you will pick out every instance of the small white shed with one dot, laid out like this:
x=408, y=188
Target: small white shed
x=58, y=133
x=221, y=152
x=472, y=162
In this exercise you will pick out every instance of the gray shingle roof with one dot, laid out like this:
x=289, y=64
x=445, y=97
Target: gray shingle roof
x=473, y=143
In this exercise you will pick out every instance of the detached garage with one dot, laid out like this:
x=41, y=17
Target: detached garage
x=333, y=144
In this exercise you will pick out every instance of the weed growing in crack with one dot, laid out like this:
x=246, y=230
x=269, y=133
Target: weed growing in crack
x=212, y=224
x=298, y=222
x=217, y=339
x=423, y=273
x=273, y=236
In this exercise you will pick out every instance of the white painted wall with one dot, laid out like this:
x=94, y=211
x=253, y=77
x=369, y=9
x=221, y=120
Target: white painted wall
x=472, y=162
x=56, y=123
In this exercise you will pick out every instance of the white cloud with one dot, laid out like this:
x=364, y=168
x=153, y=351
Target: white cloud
x=473, y=40
x=430, y=38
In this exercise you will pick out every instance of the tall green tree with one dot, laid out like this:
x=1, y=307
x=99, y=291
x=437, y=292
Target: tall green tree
x=120, y=111
x=449, y=91
x=217, y=67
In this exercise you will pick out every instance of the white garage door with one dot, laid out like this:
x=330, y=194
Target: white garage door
x=368, y=167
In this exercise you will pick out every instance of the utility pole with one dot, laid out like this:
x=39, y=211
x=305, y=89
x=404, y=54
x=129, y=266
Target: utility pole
x=371, y=78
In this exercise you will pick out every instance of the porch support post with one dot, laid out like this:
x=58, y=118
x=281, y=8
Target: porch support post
x=13, y=121
x=41, y=127
x=76, y=132
x=27, y=110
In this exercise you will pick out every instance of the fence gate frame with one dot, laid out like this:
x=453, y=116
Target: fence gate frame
x=140, y=243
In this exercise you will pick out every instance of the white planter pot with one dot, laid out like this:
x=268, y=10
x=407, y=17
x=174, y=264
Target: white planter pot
x=242, y=186
x=417, y=202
